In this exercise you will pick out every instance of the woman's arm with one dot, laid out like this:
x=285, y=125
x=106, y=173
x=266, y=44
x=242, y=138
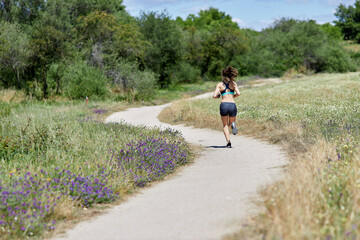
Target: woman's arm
x=237, y=91
x=217, y=92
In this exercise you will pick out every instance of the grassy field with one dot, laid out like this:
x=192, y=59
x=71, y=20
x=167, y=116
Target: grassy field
x=317, y=121
x=59, y=158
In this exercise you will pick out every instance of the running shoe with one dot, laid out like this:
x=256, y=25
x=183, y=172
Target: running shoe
x=228, y=145
x=234, y=129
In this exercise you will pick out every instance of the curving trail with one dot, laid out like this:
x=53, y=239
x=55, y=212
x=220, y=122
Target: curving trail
x=205, y=200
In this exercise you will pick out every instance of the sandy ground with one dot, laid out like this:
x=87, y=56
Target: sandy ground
x=205, y=200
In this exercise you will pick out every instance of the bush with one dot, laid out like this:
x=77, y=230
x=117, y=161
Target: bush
x=82, y=80
x=355, y=56
x=134, y=83
x=333, y=59
x=55, y=76
x=185, y=73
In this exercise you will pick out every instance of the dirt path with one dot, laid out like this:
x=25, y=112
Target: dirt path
x=205, y=200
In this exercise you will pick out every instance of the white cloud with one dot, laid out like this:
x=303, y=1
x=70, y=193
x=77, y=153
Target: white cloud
x=338, y=2
x=194, y=9
x=239, y=22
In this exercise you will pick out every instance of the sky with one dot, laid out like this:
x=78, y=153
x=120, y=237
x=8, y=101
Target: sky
x=254, y=14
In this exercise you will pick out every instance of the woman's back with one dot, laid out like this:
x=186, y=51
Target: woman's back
x=227, y=91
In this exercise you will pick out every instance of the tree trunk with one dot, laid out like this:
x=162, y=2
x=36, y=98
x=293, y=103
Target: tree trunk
x=45, y=86
x=18, y=79
x=57, y=85
x=206, y=66
x=18, y=83
x=164, y=82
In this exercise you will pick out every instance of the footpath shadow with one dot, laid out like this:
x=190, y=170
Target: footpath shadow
x=216, y=147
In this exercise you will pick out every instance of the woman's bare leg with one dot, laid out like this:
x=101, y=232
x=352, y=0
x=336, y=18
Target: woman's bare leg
x=226, y=124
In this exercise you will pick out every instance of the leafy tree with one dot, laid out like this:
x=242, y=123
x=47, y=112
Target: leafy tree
x=349, y=20
x=166, y=44
x=14, y=51
x=55, y=75
x=21, y=11
x=48, y=47
x=333, y=32
x=294, y=44
x=213, y=40
x=78, y=8
x=105, y=33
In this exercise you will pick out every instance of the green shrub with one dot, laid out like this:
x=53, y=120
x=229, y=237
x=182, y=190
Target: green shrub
x=185, y=73
x=355, y=56
x=333, y=59
x=54, y=77
x=134, y=84
x=82, y=80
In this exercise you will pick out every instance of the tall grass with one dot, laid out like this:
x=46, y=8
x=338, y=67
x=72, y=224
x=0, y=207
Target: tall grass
x=58, y=157
x=317, y=120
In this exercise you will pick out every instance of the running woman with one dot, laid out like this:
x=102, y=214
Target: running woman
x=228, y=90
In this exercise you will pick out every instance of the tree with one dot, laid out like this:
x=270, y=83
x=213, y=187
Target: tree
x=14, y=50
x=48, y=47
x=349, y=21
x=166, y=44
x=214, y=40
x=20, y=11
x=104, y=33
x=78, y=8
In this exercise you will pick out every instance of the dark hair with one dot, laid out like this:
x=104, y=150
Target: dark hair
x=230, y=73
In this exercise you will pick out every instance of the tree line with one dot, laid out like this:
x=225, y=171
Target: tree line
x=79, y=48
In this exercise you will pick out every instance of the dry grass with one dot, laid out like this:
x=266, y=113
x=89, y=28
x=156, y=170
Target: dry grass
x=352, y=46
x=185, y=112
x=316, y=119
x=11, y=95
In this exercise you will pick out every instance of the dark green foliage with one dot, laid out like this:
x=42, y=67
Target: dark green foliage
x=54, y=76
x=355, y=56
x=185, y=72
x=213, y=41
x=20, y=11
x=333, y=32
x=82, y=80
x=48, y=46
x=349, y=20
x=166, y=44
x=293, y=44
x=331, y=58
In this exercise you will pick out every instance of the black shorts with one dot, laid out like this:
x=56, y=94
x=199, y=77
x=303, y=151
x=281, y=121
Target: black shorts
x=228, y=108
